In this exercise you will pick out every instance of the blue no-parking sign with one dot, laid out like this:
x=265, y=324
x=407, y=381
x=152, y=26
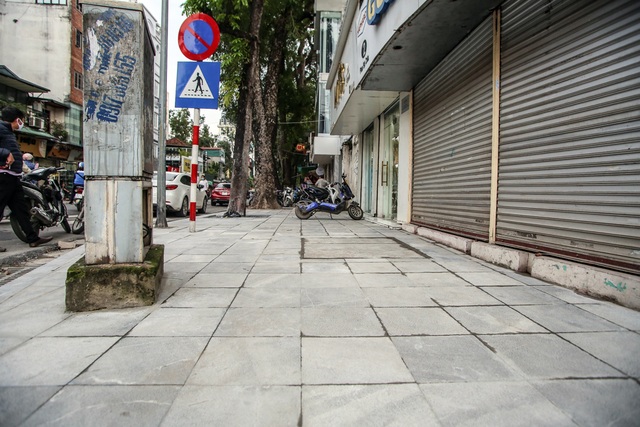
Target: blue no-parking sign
x=198, y=85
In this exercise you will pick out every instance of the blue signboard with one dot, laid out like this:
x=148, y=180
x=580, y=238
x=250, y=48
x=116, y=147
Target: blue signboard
x=197, y=85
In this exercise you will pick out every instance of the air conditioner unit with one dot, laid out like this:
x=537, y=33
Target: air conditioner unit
x=36, y=122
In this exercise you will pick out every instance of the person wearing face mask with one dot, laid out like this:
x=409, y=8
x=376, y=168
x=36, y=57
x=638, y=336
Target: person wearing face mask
x=11, y=193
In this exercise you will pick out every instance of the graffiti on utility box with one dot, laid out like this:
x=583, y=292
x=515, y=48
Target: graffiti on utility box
x=108, y=71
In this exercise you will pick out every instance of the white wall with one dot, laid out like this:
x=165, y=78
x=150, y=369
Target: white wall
x=37, y=46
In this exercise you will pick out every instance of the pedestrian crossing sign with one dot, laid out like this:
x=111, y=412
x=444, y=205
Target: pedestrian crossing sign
x=198, y=84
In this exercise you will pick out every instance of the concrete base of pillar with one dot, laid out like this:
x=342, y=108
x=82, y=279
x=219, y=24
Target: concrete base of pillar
x=100, y=286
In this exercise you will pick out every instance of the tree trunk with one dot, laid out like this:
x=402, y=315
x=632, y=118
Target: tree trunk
x=247, y=95
x=266, y=110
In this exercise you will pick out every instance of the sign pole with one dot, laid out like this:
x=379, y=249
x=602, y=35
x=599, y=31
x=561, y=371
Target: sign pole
x=194, y=170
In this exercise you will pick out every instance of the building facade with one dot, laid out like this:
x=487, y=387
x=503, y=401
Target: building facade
x=509, y=122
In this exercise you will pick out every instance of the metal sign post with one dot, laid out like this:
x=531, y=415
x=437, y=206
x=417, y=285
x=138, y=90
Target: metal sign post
x=197, y=84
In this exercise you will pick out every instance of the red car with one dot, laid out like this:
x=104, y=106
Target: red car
x=220, y=193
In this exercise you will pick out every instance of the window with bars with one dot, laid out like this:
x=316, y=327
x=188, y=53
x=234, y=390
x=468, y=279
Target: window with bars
x=77, y=80
x=78, y=38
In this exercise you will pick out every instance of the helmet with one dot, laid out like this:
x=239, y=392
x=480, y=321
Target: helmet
x=81, y=165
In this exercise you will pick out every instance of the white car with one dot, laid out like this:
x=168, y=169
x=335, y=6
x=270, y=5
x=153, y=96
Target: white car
x=178, y=192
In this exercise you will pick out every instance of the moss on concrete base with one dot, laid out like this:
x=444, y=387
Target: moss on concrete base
x=95, y=287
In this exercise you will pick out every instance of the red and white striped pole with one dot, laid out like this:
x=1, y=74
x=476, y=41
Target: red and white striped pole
x=194, y=170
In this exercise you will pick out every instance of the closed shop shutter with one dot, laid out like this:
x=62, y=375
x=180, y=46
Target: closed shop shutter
x=452, y=139
x=569, y=176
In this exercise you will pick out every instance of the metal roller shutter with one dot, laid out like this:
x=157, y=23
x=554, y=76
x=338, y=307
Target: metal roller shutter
x=452, y=139
x=569, y=176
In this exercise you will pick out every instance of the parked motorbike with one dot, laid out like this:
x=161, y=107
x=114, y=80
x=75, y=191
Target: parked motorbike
x=334, y=200
x=78, y=197
x=285, y=197
x=78, y=224
x=45, y=203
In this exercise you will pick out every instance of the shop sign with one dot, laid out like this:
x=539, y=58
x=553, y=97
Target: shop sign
x=375, y=10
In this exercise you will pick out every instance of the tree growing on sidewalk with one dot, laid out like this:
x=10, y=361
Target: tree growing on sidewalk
x=259, y=42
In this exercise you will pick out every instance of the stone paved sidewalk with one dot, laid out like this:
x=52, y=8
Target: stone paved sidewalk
x=272, y=321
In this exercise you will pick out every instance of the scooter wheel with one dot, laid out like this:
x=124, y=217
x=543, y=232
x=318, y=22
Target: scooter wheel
x=65, y=225
x=355, y=212
x=302, y=214
x=78, y=226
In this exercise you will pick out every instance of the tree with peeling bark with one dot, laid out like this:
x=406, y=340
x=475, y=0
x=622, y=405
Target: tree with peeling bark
x=259, y=41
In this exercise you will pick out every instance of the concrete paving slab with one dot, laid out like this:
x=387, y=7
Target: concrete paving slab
x=162, y=361
x=521, y=295
x=597, y=402
x=267, y=297
x=289, y=267
x=387, y=280
x=106, y=406
x=409, y=321
x=506, y=404
x=621, y=316
x=457, y=358
x=372, y=267
x=279, y=257
x=17, y=403
x=31, y=319
x=567, y=295
x=489, y=278
x=26, y=295
x=201, y=297
x=333, y=297
x=227, y=267
x=213, y=280
x=9, y=343
x=278, y=280
x=340, y=322
x=547, y=356
x=566, y=318
x=352, y=361
x=325, y=268
x=370, y=405
x=183, y=267
x=249, y=361
x=179, y=322
x=418, y=266
x=260, y=322
x=30, y=363
x=338, y=280
x=606, y=347
x=493, y=320
x=235, y=405
x=456, y=296
x=101, y=323
x=436, y=279
x=189, y=257
x=459, y=264
x=234, y=258
x=398, y=297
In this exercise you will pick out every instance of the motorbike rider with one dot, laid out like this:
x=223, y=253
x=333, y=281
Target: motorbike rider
x=27, y=159
x=78, y=180
x=11, y=193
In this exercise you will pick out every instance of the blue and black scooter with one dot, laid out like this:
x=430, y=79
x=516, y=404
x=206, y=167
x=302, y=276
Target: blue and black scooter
x=314, y=199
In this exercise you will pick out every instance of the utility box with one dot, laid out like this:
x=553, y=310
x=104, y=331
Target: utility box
x=118, y=64
x=121, y=268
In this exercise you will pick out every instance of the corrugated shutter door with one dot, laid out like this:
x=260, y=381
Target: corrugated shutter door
x=452, y=139
x=569, y=177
